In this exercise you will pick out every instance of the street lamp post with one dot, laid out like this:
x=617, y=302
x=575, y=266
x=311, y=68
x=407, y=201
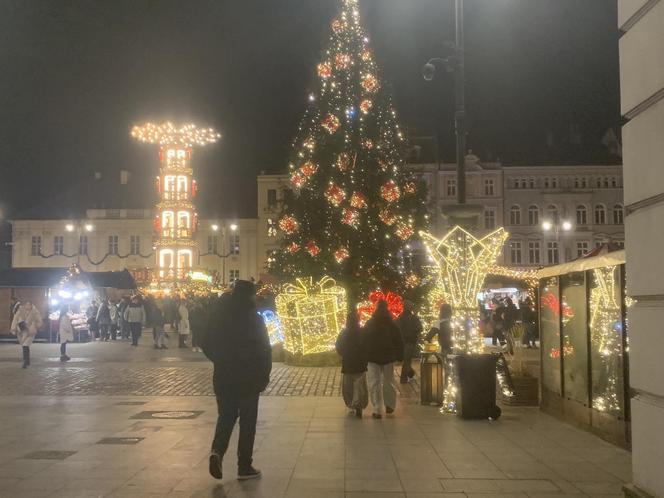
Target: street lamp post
x=233, y=228
x=79, y=227
x=456, y=64
x=557, y=227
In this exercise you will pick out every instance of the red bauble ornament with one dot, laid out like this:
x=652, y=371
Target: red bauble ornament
x=410, y=188
x=387, y=217
x=298, y=179
x=358, y=200
x=308, y=169
x=370, y=83
x=293, y=247
x=331, y=123
x=324, y=70
x=404, y=231
x=341, y=254
x=342, y=61
x=312, y=248
x=289, y=224
x=382, y=164
x=390, y=191
x=366, y=55
x=350, y=217
x=335, y=195
x=366, y=105
x=337, y=26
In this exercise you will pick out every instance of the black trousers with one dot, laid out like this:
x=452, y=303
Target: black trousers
x=230, y=408
x=407, y=371
x=103, y=329
x=135, y=328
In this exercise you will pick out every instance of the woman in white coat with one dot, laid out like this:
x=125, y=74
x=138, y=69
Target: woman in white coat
x=27, y=321
x=66, y=332
x=183, y=323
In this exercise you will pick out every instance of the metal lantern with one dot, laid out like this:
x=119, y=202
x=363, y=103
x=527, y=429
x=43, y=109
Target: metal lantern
x=431, y=378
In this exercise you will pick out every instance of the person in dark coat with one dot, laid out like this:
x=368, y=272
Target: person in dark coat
x=238, y=345
x=410, y=327
x=443, y=332
x=383, y=346
x=353, y=365
x=529, y=319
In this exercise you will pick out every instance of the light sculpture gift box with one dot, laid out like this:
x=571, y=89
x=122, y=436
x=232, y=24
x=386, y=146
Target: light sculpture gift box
x=312, y=314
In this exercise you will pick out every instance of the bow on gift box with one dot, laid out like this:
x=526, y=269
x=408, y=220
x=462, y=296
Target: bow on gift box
x=367, y=308
x=304, y=287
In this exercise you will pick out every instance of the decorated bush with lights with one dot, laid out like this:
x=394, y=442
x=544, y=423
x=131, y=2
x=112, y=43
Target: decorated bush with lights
x=354, y=208
x=312, y=315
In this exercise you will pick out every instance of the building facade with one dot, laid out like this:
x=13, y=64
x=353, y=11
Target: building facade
x=114, y=239
x=553, y=214
x=641, y=23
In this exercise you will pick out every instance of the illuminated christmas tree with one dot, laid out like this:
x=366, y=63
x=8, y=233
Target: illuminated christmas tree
x=355, y=210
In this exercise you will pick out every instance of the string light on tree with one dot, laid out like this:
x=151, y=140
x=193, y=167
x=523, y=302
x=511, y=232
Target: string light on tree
x=176, y=220
x=352, y=200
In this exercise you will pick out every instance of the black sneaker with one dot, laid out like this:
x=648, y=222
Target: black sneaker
x=248, y=473
x=376, y=415
x=389, y=410
x=215, y=465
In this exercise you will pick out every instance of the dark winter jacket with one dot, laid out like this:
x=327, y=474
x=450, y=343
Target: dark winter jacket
x=351, y=348
x=104, y=315
x=237, y=343
x=410, y=326
x=444, y=333
x=382, y=340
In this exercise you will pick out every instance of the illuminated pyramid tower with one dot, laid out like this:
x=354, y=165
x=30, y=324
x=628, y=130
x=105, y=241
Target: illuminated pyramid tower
x=176, y=219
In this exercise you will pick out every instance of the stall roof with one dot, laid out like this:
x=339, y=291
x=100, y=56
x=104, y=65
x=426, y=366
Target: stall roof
x=31, y=277
x=51, y=277
x=113, y=279
x=609, y=259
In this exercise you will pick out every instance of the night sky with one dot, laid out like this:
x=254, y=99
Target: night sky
x=76, y=75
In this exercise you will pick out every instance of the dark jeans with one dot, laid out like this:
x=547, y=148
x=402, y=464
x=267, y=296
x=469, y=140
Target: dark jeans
x=498, y=336
x=409, y=349
x=63, y=349
x=103, y=328
x=114, y=331
x=229, y=408
x=135, y=328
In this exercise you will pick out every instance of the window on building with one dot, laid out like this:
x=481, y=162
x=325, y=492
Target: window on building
x=234, y=244
x=614, y=182
x=488, y=187
x=581, y=215
x=271, y=228
x=582, y=248
x=554, y=182
x=600, y=214
x=598, y=182
x=233, y=275
x=533, y=215
x=600, y=241
x=515, y=252
x=83, y=245
x=271, y=197
x=547, y=183
x=552, y=252
x=515, y=215
x=134, y=245
x=212, y=244
x=577, y=183
x=618, y=217
x=531, y=183
x=552, y=213
x=36, y=245
x=515, y=183
x=523, y=183
x=58, y=245
x=489, y=219
x=620, y=243
x=606, y=182
x=113, y=244
x=584, y=183
x=534, y=252
x=451, y=188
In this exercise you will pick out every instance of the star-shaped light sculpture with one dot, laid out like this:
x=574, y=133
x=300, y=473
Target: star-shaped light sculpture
x=462, y=262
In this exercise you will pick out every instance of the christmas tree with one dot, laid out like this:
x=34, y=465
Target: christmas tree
x=355, y=210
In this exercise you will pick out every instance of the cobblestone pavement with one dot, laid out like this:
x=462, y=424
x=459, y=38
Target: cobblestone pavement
x=117, y=369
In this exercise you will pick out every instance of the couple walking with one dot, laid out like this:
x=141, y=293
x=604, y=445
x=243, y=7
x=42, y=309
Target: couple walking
x=368, y=356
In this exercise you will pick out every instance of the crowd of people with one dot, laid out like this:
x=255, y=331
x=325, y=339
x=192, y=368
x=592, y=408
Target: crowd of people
x=499, y=321
x=124, y=319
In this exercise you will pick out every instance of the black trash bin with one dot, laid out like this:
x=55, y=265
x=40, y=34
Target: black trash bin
x=476, y=386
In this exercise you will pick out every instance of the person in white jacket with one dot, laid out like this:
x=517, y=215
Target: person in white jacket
x=66, y=332
x=183, y=323
x=27, y=322
x=134, y=315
